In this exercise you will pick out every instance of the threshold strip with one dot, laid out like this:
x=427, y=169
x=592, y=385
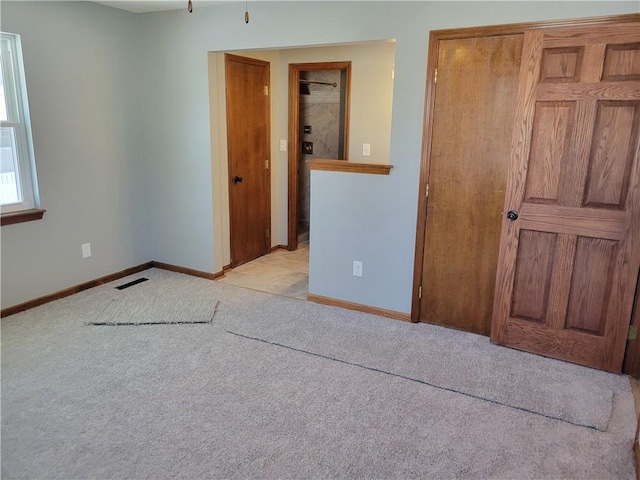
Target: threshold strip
x=416, y=380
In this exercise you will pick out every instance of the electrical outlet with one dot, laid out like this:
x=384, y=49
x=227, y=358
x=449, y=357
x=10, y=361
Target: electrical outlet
x=366, y=149
x=357, y=268
x=86, y=250
x=283, y=145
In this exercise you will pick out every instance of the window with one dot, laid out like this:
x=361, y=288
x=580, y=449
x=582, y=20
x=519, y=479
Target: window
x=18, y=185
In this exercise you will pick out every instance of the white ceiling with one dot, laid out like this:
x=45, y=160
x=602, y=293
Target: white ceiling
x=145, y=6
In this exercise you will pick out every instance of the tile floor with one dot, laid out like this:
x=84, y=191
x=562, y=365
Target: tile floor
x=281, y=272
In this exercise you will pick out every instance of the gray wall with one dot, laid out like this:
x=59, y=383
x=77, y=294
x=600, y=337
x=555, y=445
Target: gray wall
x=81, y=72
x=120, y=110
x=353, y=217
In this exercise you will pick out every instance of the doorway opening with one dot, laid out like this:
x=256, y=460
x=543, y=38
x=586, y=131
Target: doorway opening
x=319, y=95
x=318, y=128
x=366, y=115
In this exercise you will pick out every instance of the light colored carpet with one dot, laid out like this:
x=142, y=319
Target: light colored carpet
x=145, y=311
x=444, y=358
x=298, y=390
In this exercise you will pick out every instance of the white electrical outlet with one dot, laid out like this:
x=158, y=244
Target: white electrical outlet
x=357, y=268
x=283, y=145
x=86, y=250
x=366, y=149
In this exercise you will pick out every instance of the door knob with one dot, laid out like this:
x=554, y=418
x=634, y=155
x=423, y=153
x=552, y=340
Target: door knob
x=512, y=215
x=237, y=179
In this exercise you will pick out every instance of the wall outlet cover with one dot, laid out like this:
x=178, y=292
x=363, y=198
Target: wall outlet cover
x=357, y=268
x=86, y=250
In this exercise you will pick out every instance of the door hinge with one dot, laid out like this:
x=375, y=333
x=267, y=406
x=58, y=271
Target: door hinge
x=268, y=234
x=435, y=77
x=266, y=90
x=633, y=332
x=266, y=164
x=427, y=191
x=420, y=292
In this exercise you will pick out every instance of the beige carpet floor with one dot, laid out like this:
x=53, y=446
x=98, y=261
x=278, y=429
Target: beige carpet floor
x=278, y=388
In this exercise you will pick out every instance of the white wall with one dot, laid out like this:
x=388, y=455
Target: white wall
x=120, y=110
x=80, y=66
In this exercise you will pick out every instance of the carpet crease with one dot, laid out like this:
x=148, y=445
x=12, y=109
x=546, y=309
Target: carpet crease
x=440, y=356
x=416, y=380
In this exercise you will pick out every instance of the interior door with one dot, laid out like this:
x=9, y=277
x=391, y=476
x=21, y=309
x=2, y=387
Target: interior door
x=248, y=136
x=570, y=245
x=476, y=89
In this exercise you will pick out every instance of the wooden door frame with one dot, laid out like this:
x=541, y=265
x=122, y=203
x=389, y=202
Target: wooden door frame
x=294, y=134
x=260, y=63
x=432, y=62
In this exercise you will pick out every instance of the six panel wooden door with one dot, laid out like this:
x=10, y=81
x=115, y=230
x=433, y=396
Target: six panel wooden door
x=568, y=263
x=248, y=125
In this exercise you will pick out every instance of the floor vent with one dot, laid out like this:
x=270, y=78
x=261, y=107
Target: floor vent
x=131, y=284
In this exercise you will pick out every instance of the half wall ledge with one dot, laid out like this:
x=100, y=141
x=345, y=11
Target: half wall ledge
x=347, y=166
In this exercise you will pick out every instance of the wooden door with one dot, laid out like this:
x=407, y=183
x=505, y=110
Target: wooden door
x=569, y=263
x=476, y=89
x=248, y=135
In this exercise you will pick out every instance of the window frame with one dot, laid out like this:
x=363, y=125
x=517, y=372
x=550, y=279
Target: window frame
x=18, y=119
